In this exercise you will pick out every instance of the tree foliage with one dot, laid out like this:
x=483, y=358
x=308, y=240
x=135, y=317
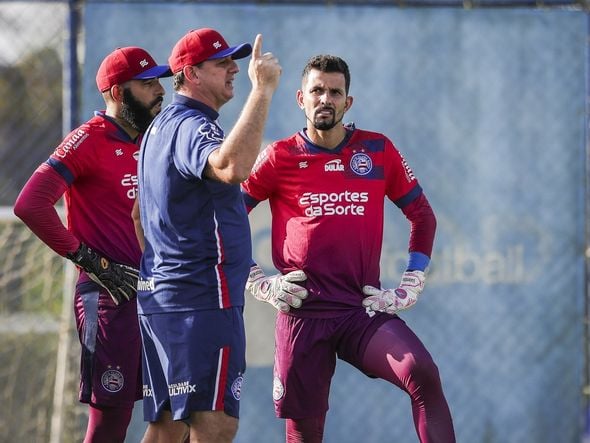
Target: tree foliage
x=30, y=117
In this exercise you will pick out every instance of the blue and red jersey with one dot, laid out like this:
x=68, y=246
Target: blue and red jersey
x=197, y=235
x=327, y=211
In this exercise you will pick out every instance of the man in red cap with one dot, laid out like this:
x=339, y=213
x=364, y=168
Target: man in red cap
x=198, y=248
x=95, y=168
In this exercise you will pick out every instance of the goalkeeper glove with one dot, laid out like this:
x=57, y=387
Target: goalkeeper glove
x=278, y=290
x=393, y=300
x=119, y=280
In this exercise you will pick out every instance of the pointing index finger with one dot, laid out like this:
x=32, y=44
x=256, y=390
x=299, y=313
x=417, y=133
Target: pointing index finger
x=257, y=49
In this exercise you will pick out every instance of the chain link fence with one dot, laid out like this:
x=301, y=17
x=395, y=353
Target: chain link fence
x=487, y=101
x=32, y=277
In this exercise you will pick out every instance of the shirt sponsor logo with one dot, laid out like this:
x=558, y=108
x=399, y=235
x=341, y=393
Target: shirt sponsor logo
x=181, y=388
x=361, y=164
x=334, y=203
x=303, y=165
x=146, y=284
x=334, y=166
x=147, y=391
x=71, y=143
x=130, y=181
x=112, y=380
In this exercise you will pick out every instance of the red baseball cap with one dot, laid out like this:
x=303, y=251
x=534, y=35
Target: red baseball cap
x=203, y=44
x=129, y=63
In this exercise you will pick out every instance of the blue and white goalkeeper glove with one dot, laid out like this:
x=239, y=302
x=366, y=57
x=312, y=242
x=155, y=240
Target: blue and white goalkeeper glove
x=278, y=290
x=394, y=300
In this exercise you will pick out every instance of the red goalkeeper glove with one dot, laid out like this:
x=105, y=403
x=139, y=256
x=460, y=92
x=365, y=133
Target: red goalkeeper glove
x=393, y=300
x=278, y=290
x=119, y=280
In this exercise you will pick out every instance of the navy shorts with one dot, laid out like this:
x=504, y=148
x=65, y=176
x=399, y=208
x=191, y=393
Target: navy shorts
x=305, y=357
x=193, y=361
x=110, y=366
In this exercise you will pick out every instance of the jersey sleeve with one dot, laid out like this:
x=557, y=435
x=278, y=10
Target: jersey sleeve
x=403, y=189
x=422, y=226
x=401, y=185
x=74, y=155
x=258, y=187
x=35, y=206
x=195, y=145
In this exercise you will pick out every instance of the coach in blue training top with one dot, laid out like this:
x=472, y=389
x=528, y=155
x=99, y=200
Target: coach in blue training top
x=197, y=245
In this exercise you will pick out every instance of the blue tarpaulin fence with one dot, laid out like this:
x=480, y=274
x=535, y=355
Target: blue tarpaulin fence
x=488, y=102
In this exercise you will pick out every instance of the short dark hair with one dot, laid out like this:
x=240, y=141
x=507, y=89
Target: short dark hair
x=328, y=63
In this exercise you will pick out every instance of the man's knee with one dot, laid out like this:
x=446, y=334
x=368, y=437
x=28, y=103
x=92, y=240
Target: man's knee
x=166, y=429
x=213, y=426
x=424, y=371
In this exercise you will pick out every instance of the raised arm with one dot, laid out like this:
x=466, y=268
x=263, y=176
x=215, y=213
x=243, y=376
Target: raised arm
x=233, y=161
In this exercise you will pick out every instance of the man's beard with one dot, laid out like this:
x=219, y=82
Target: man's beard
x=326, y=125
x=136, y=113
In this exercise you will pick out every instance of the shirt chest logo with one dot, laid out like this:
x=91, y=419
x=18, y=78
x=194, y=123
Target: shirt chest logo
x=361, y=164
x=334, y=166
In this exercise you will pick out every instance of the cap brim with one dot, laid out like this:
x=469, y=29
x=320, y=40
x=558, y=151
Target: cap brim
x=155, y=72
x=236, y=52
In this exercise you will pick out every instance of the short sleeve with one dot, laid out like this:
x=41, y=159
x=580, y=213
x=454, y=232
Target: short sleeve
x=197, y=139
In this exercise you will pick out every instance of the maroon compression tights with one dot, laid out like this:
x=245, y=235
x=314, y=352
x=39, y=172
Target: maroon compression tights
x=305, y=430
x=107, y=425
x=397, y=355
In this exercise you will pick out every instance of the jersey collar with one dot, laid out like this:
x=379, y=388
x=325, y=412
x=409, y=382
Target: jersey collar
x=311, y=145
x=196, y=104
x=121, y=134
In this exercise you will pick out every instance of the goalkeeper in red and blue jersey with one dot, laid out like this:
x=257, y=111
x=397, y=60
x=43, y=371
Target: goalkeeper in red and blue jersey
x=95, y=169
x=326, y=186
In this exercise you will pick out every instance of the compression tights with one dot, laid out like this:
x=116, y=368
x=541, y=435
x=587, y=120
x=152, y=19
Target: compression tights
x=305, y=430
x=397, y=355
x=107, y=425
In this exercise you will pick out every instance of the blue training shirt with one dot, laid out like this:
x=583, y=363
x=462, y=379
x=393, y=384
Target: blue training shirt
x=197, y=236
